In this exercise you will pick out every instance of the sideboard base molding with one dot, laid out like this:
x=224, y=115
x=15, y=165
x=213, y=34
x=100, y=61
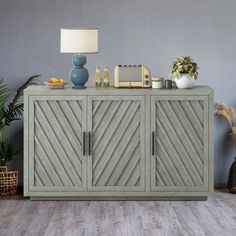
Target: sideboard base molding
x=94, y=196
x=167, y=198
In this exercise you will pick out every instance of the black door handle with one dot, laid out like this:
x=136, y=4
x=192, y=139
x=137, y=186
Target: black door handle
x=89, y=143
x=84, y=143
x=153, y=137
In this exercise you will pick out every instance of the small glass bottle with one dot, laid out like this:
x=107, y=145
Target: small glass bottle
x=98, y=77
x=105, y=77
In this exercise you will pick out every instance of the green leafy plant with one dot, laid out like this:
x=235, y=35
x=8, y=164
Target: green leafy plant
x=184, y=65
x=10, y=111
x=7, y=151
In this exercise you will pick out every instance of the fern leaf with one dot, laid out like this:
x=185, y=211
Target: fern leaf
x=4, y=96
x=14, y=113
x=14, y=109
x=31, y=81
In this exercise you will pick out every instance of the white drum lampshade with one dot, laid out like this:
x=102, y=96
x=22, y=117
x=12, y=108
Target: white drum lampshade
x=79, y=40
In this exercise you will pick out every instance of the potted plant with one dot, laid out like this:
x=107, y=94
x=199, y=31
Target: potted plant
x=10, y=111
x=184, y=71
x=228, y=113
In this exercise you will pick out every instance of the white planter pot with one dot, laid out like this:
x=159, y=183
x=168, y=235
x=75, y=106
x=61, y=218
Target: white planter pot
x=184, y=81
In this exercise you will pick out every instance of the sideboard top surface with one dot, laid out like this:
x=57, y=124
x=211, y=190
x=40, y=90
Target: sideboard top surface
x=43, y=90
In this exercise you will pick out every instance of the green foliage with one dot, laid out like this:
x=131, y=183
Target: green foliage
x=184, y=65
x=7, y=151
x=14, y=109
x=4, y=96
x=10, y=111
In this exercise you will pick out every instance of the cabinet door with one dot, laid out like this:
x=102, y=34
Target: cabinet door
x=116, y=161
x=56, y=127
x=179, y=134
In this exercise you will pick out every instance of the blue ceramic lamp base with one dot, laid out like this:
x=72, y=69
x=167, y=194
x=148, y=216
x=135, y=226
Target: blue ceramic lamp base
x=79, y=75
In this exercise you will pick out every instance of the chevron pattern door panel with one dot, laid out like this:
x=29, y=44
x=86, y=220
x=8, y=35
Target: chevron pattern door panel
x=179, y=128
x=117, y=161
x=57, y=159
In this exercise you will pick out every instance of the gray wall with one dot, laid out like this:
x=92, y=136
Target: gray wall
x=150, y=32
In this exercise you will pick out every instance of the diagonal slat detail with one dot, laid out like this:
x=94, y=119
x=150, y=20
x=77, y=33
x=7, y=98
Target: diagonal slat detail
x=178, y=144
x=65, y=152
x=196, y=124
x=101, y=113
x=134, y=176
x=170, y=140
x=116, y=143
x=74, y=124
x=126, y=175
x=198, y=109
x=96, y=106
x=58, y=124
x=48, y=162
x=111, y=150
x=76, y=109
x=175, y=175
x=198, y=145
x=66, y=135
x=164, y=173
x=125, y=158
x=183, y=138
x=111, y=130
x=118, y=152
x=52, y=153
x=132, y=124
x=42, y=173
x=174, y=156
x=37, y=180
x=98, y=136
x=55, y=145
x=159, y=180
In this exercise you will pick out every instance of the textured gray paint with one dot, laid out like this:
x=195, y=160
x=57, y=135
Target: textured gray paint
x=151, y=32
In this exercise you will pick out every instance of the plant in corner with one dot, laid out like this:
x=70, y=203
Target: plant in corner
x=184, y=71
x=229, y=114
x=10, y=111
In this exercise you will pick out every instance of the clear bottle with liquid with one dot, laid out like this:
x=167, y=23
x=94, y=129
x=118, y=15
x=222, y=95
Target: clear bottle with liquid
x=105, y=77
x=98, y=77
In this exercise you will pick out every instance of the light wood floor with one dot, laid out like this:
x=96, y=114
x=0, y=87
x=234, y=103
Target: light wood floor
x=217, y=217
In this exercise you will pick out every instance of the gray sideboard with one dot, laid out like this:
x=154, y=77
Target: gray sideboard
x=118, y=143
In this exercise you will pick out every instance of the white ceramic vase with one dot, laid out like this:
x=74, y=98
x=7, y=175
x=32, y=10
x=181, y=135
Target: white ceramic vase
x=184, y=81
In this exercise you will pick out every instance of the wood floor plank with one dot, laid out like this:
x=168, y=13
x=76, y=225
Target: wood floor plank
x=217, y=216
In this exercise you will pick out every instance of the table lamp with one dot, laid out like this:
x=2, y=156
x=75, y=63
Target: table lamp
x=79, y=41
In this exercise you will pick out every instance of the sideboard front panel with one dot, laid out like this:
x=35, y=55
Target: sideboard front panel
x=57, y=159
x=180, y=131
x=117, y=160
